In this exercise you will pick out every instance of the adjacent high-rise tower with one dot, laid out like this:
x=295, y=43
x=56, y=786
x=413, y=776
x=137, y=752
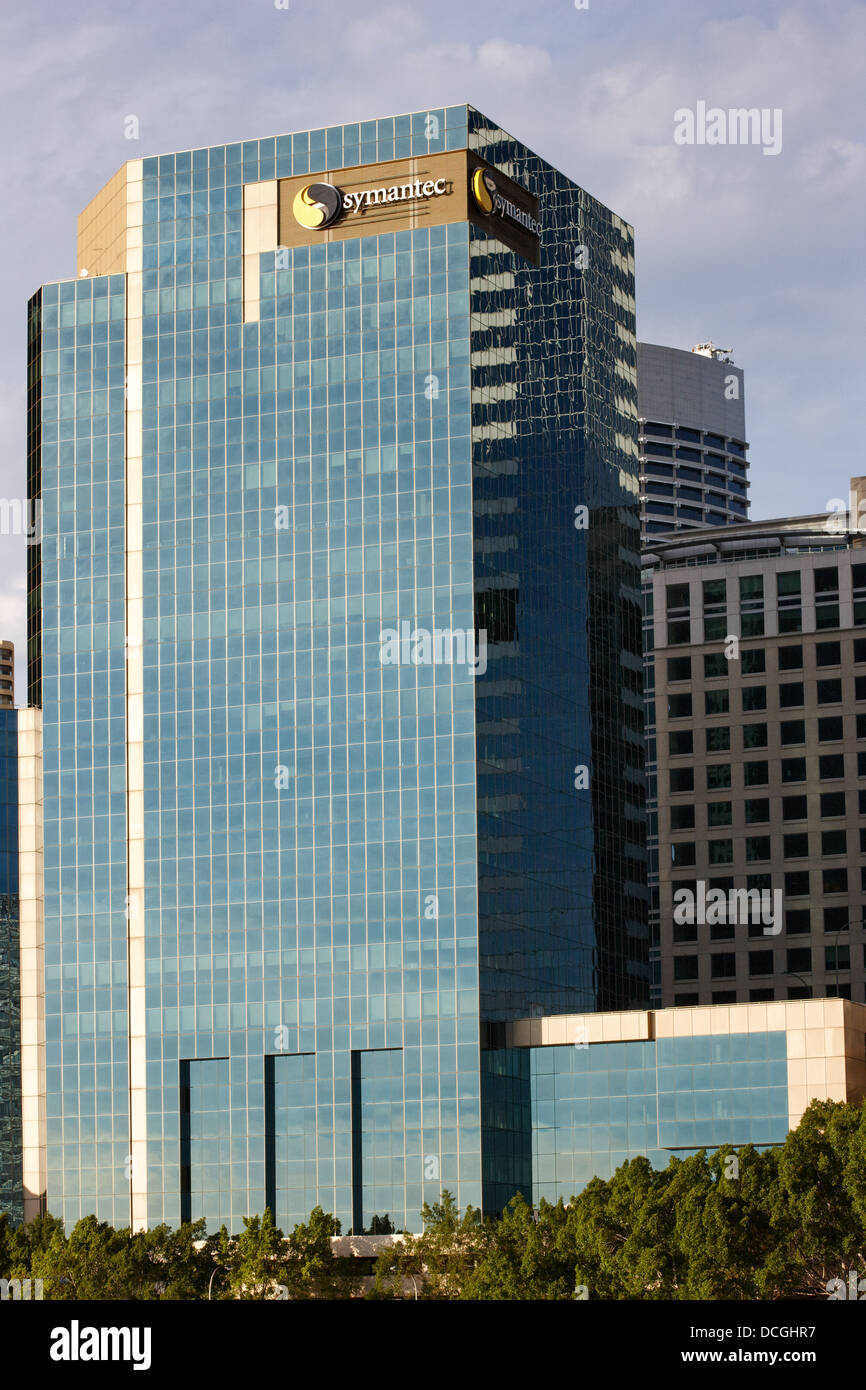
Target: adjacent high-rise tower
x=693, y=473
x=693, y=468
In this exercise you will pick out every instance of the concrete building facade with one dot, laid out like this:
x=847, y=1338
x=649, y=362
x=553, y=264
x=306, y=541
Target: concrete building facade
x=759, y=746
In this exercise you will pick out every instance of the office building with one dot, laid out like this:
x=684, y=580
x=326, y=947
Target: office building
x=7, y=675
x=694, y=473
x=10, y=1009
x=601, y=1089
x=693, y=464
x=760, y=746
x=334, y=646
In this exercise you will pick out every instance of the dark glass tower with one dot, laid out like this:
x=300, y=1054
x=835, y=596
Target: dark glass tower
x=301, y=865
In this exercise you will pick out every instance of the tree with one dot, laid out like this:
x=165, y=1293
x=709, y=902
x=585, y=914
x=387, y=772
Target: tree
x=440, y=1259
x=311, y=1270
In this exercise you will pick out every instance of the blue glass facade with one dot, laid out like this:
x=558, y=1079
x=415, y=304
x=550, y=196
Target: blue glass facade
x=10, y=1010
x=76, y=648
x=354, y=872
x=592, y=1108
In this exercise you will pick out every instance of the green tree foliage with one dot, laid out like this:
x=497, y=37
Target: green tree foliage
x=772, y=1224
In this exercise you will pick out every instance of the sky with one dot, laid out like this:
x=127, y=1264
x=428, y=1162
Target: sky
x=760, y=253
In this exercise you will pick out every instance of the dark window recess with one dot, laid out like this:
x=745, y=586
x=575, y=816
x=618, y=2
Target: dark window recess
x=756, y=774
x=754, y=698
x=830, y=729
x=836, y=918
x=830, y=692
x=837, y=957
x=798, y=921
x=797, y=884
x=715, y=665
x=796, y=846
x=723, y=965
x=757, y=848
x=791, y=658
x=759, y=882
x=682, y=855
x=753, y=661
x=834, y=842
x=760, y=963
x=685, y=967
x=835, y=880
x=793, y=769
x=754, y=736
x=680, y=742
x=682, y=779
x=679, y=668
x=791, y=695
x=799, y=958
x=788, y=585
x=794, y=808
x=655, y=427
x=831, y=765
x=832, y=804
x=792, y=731
x=827, y=580
x=828, y=654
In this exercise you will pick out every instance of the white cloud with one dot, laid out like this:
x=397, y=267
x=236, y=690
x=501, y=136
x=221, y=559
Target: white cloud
x=513, y=62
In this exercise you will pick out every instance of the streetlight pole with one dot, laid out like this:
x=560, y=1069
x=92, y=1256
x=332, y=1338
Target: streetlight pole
x=216, y=1271
x=393, y=1270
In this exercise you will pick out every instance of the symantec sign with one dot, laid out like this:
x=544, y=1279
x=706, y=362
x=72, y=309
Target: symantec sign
x=402, y=194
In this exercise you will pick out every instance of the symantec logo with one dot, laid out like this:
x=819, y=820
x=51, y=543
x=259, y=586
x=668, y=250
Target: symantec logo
x=491, y=201
x=483, y=189
x=317, y=205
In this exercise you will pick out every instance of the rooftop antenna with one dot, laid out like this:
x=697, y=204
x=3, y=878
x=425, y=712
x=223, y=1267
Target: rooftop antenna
x=709, y=349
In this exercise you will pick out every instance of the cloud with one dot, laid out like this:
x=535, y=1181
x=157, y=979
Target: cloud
x=513, y=62
x=760, y=253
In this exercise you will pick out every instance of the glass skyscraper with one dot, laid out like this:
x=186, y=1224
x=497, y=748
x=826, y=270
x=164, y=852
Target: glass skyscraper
x=335, y=631
x=10, y=1007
